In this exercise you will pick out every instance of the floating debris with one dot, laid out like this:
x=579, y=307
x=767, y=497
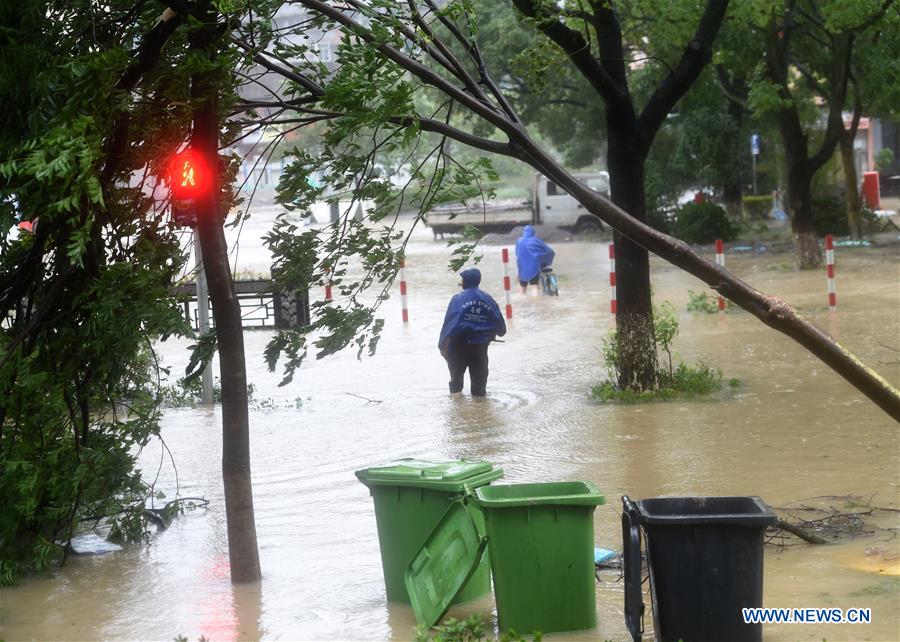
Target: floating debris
x=92, y=544
x=830, y=519
x=602, y=555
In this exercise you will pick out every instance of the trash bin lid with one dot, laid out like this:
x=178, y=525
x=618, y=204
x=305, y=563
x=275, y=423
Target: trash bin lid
x=570, y=493
x=446, y=475
x=738, y=511
x=444, y=564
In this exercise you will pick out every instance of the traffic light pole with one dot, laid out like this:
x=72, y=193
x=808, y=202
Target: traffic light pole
x=754, y=174
x=754, y=152
x=206, y=392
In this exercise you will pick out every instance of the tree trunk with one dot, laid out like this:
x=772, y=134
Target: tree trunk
x=854, y=215
x=634, y=318
x=806, y=245
x=242, y=548
x=628, y=142
x=800, y=168
x=732, y=191
x=733, y=195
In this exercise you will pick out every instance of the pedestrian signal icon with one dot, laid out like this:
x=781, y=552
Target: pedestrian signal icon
x=187, y=175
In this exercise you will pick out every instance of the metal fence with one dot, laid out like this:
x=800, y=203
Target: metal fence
x=261, y=306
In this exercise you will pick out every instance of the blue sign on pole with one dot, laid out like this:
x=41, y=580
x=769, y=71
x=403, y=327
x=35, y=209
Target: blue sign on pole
x=754, y=144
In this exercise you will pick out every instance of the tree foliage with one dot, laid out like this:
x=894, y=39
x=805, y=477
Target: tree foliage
x=810, y=49
x=548, y=93
x=81, y=297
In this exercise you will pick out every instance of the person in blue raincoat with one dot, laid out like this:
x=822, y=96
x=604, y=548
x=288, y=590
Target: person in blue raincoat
x=532, y=255
x=472, y=321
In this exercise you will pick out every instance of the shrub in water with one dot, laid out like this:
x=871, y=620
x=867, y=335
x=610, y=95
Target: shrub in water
x=830, y=216
x=757, y=207
x=703, y=223
x=674, y=381
x=472, y=629
x=684, y=381
x=705, y=302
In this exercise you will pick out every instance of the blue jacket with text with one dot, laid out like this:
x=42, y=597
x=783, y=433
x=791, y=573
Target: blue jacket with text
x=472, y=316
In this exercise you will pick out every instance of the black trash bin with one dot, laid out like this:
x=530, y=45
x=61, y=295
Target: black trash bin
x=705, y=556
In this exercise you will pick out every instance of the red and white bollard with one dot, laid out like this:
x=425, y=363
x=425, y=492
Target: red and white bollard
x=328, y=286
x=720, y=259
x=506, y=283
x=404, y=309
x=829, y=267
x=612, y=278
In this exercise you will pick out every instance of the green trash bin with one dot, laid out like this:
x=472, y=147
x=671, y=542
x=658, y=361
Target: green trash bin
x=411, y=496
x=541, y=545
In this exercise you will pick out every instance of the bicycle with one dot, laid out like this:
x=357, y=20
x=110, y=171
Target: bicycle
x=549, y=284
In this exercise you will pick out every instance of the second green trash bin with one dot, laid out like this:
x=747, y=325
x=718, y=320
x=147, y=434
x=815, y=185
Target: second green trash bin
x=541, y=545
x=411, y=496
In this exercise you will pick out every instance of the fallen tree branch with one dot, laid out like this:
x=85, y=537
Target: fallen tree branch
x=162, y=517
x=837, y=518
x=799, y=532
x=366, y=399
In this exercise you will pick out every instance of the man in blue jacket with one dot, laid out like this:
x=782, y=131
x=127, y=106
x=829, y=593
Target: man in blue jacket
x=532, y=255
x=472, y=321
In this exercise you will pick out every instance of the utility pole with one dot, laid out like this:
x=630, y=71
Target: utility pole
x=206, y=391
x=754, y=152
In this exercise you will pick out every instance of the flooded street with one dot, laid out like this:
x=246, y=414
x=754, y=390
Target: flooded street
x=791, y=430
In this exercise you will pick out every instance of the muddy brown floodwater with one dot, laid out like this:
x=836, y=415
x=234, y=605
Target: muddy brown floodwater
x=792, y=430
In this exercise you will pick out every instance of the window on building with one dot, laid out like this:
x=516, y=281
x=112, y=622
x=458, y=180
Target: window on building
x=327, y=51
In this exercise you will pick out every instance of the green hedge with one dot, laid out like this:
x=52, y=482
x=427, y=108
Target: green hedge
x=757, y=206
x=703, y=223
x=830, y=216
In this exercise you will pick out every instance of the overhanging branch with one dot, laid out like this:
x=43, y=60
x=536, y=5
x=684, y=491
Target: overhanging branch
x=411, y=65
x=311, y=86
x=577, y=49
x=147, y=56
x=440, y=127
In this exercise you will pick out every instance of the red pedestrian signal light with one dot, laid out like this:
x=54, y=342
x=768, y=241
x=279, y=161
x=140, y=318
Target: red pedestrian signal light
x=191, y=180
x=189, y=176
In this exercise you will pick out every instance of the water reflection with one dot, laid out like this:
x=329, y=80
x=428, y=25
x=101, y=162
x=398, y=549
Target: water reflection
x=474, y=428
x=215, y=605
x=247, y=608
